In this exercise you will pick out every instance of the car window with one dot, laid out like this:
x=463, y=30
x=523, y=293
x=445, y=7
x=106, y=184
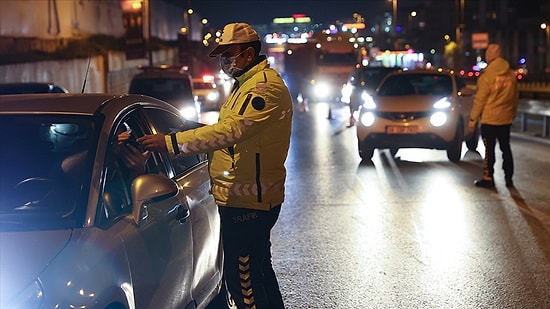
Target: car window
x=45, y=169
x=165, y=123
x=421, y=84
x=116, y=198
x=203, y=85
x=167, y=89
x=369, y=78
x=21, y=88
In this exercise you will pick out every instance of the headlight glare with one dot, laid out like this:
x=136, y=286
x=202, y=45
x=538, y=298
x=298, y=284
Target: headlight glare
x=346, y=93
x=31, y=297
x=368, y=101
x=212, y=96
x=438, y=119
x=442, y=103
x=367, y=119
x=321, y=90
x=189, y=112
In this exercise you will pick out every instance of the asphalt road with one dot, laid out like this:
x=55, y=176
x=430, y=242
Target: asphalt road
x=411, y=231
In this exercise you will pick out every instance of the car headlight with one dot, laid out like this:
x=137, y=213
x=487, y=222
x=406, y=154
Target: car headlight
x=31, y=297
x=438, y=119
x=346, y=93
x=212, y=96
x=368, y=101
x=367, y=119
x=321, y=90
x=442, y=103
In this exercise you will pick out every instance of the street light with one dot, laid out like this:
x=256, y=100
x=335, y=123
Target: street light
x=394, y=17
x=546, y=27
x=394, y=22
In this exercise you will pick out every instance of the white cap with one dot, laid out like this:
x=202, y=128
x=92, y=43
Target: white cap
x=235, y=33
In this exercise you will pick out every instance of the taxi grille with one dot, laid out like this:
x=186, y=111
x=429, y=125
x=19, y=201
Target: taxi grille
x=403, y=116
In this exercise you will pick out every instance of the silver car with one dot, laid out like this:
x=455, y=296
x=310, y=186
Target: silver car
x=417, y=109
x=78, y=231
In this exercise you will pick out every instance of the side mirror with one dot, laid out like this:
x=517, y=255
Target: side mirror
x=150, y=187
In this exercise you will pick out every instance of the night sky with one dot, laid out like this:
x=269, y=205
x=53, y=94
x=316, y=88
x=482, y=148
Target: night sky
x=221, y=12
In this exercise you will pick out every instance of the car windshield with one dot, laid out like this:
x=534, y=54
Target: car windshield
x=416, y=84
x=167, y=89
x=369, y=78
x=203, y=85
x=45, y=167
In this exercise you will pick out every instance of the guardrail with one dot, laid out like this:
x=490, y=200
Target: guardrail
x=528, y=108
x=534, y=90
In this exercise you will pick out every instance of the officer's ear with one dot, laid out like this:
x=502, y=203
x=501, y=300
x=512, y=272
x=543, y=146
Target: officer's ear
x=249, y=53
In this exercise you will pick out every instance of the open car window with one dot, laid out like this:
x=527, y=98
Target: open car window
x=166, y=123
x=45, y=169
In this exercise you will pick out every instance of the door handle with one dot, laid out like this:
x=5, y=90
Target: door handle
x=182, y=214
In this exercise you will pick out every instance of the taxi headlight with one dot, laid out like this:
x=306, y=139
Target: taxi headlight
x=367, y=119
x=438, y=119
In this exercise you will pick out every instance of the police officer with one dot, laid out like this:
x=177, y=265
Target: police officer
x=495, y=106
x=247, y=150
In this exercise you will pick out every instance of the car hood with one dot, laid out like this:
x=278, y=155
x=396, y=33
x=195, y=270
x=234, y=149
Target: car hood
x=24, y=255
x=409, y=103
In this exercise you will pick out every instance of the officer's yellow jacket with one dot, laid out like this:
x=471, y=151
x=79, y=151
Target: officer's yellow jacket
x=249, y=144
x=497, y=96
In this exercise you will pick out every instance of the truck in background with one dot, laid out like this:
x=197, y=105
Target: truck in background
x=317, y=70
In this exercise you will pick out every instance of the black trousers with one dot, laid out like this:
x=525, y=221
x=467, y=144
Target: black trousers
x=248, y=272
x=490, y=135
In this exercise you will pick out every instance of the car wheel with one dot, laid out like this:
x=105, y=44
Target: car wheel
x=454, y=149
x=472, y=142
x=365, y=151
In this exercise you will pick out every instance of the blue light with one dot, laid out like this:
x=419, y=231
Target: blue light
x=522, y=60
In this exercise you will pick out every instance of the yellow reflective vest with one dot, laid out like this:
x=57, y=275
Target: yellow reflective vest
x=497, y=96
x=249, y=144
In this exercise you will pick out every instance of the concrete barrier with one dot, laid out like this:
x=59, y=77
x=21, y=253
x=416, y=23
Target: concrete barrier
x=528, y=108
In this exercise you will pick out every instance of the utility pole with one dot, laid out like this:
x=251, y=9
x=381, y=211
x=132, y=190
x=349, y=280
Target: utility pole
x=148, y=34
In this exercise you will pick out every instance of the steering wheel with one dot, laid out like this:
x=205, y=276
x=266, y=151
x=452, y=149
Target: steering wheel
x=33, y=189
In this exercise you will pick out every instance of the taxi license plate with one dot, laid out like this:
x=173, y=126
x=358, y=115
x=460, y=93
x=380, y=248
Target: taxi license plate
x=401, y=129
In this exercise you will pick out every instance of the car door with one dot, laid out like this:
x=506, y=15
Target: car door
x=158, y=238
x=191, y=174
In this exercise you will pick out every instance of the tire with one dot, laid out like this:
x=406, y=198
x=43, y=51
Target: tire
x=473, y=141
x=454, y=149
x=365, y=151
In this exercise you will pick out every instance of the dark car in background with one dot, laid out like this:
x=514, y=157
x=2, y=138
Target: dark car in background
x=31, y=87
x=78, y=231
x=170, y=84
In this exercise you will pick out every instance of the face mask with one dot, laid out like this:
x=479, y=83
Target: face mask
x=229, y=65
